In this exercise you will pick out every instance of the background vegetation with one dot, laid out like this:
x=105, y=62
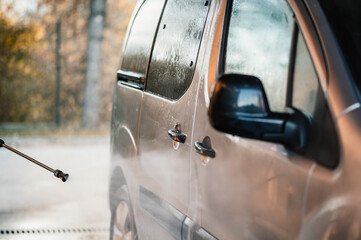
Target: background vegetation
x=48, y=43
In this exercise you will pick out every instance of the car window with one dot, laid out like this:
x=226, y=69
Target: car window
x=308, y=97
x=176, y=47
x=259, y=43
x=263, y=40
x=305, y=81
x=139, y=44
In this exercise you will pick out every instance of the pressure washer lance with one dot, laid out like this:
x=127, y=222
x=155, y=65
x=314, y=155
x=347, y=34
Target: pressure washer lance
x=57, y=172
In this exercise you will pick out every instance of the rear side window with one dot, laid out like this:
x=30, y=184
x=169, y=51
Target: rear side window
x=305, y=80
x=139, y=44
x=176, y=47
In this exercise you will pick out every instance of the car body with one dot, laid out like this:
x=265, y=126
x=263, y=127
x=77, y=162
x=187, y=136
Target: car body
x=236, y=120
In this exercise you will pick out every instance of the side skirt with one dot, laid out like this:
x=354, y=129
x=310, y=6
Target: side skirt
x=171, y=219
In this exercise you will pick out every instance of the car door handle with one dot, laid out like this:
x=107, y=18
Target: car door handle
x=204, y=148
x=176, y=134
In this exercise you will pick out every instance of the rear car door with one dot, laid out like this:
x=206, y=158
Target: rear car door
x=251, y=189
x=167, y=112
x=128, y=94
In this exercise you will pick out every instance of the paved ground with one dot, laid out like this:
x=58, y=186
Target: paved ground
x=36, y=205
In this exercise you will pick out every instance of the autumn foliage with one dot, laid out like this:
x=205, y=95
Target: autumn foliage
x=25, y=92
x=28, y=65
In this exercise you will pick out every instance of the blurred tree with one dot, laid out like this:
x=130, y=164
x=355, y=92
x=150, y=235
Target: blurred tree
x=66, y=61
x=57, y=72
x=75, y=15
x=93, y=61
x=28, y=71
x=118, y=13
x=20, y=75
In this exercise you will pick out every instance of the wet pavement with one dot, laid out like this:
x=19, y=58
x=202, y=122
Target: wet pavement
x=36, y=205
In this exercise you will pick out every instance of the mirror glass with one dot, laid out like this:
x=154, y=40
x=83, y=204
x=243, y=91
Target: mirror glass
x=240, y=95
x=250, y=102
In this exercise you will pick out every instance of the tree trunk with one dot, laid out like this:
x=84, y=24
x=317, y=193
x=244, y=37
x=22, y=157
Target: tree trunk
x=93, y=64
x=57, y=72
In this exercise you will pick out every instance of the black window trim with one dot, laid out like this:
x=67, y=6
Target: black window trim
x=291, y=65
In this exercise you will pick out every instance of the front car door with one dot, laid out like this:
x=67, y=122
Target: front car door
x=252, y=189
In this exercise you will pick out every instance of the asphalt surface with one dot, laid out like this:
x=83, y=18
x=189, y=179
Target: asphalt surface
x=36, y=205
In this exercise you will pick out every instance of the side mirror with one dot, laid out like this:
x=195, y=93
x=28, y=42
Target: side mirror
x=239, y=106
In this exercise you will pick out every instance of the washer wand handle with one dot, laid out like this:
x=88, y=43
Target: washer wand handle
x=57, y=173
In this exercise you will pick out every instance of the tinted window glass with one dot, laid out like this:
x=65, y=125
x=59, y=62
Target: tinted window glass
x=139, y=44
x=258, y=44
x=176, y=48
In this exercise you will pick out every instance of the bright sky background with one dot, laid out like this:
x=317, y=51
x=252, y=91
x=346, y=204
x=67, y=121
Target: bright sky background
x=22, y=6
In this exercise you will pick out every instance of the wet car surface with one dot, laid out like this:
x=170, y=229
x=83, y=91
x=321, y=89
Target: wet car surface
x=238, y=120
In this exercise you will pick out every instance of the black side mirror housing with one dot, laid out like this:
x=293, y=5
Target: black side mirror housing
x=239, y=106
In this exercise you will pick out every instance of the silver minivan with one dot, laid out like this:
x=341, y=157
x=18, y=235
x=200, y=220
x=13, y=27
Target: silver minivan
x=238, y=119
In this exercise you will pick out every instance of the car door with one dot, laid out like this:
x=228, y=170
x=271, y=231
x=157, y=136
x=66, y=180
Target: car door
x=166, y=121
x=246, y=188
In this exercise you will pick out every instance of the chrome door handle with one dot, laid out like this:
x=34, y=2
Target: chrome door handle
x=176, y=134
x=204, y=148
